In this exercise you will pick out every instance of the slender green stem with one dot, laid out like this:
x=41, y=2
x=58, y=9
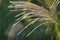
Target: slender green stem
x=57, y=30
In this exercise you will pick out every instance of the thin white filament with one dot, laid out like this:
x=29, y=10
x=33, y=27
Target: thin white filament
x=21, y=19
x=28, y=25
x=36, y=28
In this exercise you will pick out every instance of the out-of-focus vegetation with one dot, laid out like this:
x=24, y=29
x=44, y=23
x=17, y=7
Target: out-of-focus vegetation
x=44, y=26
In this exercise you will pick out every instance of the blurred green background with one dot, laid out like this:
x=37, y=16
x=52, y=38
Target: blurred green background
x=7, y=18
